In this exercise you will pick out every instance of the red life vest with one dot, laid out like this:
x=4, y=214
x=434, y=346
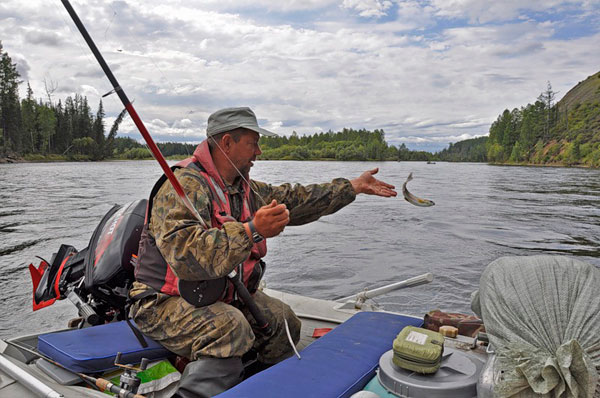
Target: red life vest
x=153, y=270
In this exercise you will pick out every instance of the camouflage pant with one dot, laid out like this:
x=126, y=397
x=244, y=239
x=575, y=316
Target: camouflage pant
x=218, y=330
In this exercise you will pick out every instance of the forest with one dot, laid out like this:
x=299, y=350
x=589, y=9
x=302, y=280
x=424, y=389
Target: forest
x=347, y=144
x=544, y=132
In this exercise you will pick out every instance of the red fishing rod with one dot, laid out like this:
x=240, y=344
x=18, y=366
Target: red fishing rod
x=263, y=324
x=136, y=119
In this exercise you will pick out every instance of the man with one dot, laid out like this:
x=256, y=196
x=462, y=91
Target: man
x=240, y=213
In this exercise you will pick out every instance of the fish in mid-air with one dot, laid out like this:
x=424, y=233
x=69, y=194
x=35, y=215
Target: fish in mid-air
x=412, y=199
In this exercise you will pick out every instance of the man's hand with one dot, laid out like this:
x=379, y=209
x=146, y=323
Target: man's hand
x=270, y=220
x=368, y=184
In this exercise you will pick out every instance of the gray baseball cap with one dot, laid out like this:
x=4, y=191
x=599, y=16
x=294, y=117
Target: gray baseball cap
x=232, y=118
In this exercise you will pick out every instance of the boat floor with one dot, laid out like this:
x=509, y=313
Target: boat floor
x=314, y=313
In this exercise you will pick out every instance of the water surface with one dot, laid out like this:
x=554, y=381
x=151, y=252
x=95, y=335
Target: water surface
x=482, y=212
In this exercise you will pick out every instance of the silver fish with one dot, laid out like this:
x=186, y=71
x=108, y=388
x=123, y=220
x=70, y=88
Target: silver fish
x=412, y=199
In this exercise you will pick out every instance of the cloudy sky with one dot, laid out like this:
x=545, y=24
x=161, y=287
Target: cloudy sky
x=427, y=72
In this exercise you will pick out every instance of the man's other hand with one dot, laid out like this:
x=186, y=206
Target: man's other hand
x=370, y=185
x=270, y=220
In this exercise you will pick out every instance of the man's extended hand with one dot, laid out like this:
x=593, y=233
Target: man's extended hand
x=270, y=220
x=370, y=185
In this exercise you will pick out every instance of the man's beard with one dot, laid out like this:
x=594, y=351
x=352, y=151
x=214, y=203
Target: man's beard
x=245, y=171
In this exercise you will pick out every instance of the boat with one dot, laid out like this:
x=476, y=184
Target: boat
x=36, y=377
x=347, y=335
x=346, y=347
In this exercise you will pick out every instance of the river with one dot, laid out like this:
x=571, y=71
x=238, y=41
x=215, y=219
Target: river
x=482, y=212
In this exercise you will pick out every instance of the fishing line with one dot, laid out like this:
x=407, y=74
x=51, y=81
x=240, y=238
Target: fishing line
x=138, y=44
x=285, y=322
x=84, y=51
x=237, y=170
x=110, y=23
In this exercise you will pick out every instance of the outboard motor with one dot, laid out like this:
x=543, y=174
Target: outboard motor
x=96, y=279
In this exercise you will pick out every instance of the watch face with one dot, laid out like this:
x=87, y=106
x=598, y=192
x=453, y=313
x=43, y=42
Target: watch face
x=256, y=237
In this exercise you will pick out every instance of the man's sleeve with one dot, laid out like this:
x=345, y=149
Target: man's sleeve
x=307, y=203
x=193, y=252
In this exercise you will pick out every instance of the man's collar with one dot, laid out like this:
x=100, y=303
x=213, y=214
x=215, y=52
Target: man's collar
x=236, y=187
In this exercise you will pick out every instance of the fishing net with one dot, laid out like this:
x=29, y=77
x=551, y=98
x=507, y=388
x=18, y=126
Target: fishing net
x=542, y=315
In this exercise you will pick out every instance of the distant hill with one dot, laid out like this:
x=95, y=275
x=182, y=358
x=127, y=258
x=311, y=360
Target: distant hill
x=587, y=91
x=545, y=132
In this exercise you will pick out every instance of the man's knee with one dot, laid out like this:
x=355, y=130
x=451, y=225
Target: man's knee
x=225, y=334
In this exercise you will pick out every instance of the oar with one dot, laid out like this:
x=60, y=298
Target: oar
x=369, y=294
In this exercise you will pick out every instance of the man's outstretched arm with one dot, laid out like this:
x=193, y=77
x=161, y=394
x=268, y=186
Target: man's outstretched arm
x=308, y=203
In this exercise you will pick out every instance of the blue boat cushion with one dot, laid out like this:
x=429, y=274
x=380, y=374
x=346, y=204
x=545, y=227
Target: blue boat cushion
x=94, y=349
x=335, y=366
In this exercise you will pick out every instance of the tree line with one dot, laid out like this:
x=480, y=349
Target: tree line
x=548, y=133
x=471, y=150
x=347, y=144
x=44, y=127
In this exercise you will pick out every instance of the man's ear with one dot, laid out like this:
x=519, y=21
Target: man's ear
x=226, y=142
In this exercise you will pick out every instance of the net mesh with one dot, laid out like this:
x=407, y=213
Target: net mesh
x=542, y=315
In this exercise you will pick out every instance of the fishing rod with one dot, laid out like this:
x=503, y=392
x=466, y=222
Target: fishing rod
x=132, y=112
x=233, y=276
x=102, y=384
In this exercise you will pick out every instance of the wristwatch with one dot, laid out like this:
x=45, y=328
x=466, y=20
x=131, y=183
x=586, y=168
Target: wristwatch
x=256, y=237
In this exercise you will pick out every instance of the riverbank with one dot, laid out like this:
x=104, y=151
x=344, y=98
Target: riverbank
x=10, y=158
x=562, y=165
x=37, y=158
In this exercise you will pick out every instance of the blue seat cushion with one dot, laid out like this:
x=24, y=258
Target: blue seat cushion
x=335, y=366
x=94, y=349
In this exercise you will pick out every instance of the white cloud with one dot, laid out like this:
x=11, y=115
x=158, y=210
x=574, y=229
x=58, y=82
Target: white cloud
x=368, y=8
x=88, y=91
x=240, y=5
x=182, y=124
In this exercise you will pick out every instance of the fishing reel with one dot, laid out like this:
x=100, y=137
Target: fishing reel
x=129, y=379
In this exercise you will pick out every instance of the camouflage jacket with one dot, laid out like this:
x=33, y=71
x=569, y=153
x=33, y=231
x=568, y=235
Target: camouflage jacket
x=186, y=245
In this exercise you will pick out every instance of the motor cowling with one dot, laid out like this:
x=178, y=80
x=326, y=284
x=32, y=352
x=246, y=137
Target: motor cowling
x=102, y=273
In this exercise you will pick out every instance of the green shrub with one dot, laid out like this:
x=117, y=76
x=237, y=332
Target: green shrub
x=137, y=153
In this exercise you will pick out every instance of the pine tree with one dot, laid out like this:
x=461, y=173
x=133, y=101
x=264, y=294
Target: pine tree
x=10, y=108
x=547, y=98
x=46, y=126
x=110, y=140
x=28, y=115
x=98, y=131
x=61, y=141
